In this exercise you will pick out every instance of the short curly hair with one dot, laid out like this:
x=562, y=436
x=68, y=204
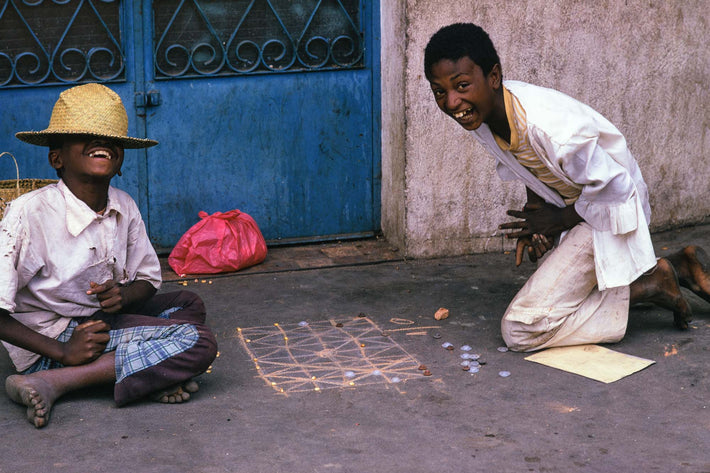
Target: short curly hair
x=461, y=40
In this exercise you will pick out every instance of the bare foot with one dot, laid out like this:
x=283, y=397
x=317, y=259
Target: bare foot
x=661, y=287
x=33, y=392
x=692, y=265
x=177, y=394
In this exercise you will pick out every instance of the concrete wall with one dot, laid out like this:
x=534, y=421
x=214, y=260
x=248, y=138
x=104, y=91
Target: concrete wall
x=645, y=65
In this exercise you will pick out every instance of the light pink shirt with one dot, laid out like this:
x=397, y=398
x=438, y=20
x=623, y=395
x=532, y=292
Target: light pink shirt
x=52, y=245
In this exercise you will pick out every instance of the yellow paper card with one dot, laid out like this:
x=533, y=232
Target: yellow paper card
x=591, y=361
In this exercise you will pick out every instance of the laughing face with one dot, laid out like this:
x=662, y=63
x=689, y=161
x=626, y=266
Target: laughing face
x=463, y=92
x=87, y=158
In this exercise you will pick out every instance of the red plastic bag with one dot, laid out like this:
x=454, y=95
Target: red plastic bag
x=218, y=243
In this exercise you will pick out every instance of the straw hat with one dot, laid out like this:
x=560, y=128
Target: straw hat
x=89, y=109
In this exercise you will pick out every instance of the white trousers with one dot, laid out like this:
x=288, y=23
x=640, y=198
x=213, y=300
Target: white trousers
x=560, y=304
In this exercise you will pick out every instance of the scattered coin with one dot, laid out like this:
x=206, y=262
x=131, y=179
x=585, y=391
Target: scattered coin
x=437, y=335
x=362, y=314
x=502, y=349
x=339, y=324
x=422, y=367
x=466, y=348
x=504, y=374
x=426, y=373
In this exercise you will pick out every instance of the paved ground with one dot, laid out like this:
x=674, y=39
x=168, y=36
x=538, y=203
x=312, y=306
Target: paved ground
x=392, y=418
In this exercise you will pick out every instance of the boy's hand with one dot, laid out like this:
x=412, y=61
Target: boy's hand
x=536, y=246
x=109, y=295
x=541, y=219
x=87, y=343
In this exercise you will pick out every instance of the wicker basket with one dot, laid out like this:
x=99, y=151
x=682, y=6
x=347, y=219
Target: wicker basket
x=13, y=188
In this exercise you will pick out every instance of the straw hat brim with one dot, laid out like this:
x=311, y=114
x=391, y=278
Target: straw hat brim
x=44, y=137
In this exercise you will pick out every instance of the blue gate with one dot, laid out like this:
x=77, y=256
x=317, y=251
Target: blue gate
x=268, y=106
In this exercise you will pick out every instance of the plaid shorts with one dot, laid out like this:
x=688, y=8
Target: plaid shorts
x=137, y=348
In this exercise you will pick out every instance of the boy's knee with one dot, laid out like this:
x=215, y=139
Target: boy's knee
x=520, y=336
x=207, y=349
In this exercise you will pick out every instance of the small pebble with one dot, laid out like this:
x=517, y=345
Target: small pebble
x=376, y=373
x=466, y=348
x=450, y=348
x=339, y=325
x=446, y=345
x=437, y=335
x=502, y=349
x=303, y=323
x=465, y=368
x=504, y=374
x=422, y=367
x=395, y=380
x=426, y=373
x=362, y=314
x=349, y=374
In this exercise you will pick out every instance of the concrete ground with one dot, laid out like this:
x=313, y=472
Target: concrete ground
x=292, y=391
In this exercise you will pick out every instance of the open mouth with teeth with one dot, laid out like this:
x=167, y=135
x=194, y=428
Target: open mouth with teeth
x=100, y=154
x=463, y=115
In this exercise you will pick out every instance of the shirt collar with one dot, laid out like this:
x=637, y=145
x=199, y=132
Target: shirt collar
x=511, y=113
x=79, y=215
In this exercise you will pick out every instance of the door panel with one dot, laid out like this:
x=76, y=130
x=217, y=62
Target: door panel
x=261, y=105
x=293, y=151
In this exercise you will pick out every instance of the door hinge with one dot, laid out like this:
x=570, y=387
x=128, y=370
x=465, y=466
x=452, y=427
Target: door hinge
x=151, y=98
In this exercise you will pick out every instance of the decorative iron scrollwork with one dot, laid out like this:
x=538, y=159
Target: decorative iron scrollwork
x=60, y=41
x=198, y=38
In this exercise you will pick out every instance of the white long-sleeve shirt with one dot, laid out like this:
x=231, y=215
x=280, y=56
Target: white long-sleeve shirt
x=583, y=148
x=52, y=245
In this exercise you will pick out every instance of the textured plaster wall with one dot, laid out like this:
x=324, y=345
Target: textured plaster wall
x=393, y=26
x=645, y=65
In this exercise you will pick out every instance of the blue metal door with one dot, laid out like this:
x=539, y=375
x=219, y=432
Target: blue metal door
x=267, y=106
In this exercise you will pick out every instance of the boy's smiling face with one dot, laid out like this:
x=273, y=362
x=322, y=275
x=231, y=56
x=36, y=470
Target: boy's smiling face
x=463, y=92
x=87, y=157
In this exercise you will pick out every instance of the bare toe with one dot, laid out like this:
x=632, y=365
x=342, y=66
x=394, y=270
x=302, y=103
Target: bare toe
x=191, y=386
x=173, y=395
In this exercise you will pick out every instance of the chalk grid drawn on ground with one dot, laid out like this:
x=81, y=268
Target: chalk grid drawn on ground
x=322, y=355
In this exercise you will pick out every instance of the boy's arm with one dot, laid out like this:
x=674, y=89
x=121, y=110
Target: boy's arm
x=86, y=343
x=115, y=298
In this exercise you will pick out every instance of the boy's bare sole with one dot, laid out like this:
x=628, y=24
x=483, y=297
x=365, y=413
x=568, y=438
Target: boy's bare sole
x=34, y=393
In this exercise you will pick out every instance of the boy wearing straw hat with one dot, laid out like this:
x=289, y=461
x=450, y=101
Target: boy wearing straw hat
x=78, y=275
